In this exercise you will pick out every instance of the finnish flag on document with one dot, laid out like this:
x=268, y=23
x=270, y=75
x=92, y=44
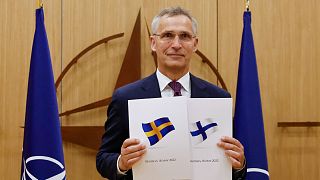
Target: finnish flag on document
x=201, y=130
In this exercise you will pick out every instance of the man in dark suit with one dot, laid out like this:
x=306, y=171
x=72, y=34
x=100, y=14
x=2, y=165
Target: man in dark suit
x=174, y=40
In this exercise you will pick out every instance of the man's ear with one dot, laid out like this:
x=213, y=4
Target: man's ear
x=152, y=43
x=195, y=46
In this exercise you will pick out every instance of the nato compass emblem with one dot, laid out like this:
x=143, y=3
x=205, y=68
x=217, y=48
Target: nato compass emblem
x=33, y=165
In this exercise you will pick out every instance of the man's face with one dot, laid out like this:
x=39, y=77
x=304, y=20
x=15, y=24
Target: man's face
x=174, y=44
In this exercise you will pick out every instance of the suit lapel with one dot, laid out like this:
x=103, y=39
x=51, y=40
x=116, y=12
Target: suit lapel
x=150, y=87
x=198, y=89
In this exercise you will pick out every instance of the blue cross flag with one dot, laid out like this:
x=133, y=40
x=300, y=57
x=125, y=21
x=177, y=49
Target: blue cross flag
x=156, y=130
x=42, y=156
x=200, y=130
x=248, y=119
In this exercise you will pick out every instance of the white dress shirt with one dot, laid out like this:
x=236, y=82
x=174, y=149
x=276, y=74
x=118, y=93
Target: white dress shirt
x=166, y=90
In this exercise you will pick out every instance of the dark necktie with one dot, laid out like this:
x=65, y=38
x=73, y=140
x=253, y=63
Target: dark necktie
x=176, y=87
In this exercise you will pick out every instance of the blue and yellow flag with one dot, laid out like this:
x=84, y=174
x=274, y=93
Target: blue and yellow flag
x=157, y=129
x=248, y=119
x=42, y=156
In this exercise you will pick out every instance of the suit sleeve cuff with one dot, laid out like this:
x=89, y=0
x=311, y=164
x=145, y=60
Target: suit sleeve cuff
x=240, y=174
x=244, y=165
x=118, y=169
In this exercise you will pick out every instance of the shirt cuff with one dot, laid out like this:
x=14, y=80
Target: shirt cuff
x=118, y=169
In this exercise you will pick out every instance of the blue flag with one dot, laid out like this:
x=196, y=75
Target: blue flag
x=42, y=156
x=156, y=130
x=200, y=130
x=248, y=119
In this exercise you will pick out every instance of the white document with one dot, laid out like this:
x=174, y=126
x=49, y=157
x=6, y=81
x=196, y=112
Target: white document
x=209, y=120
x=181, y=135
x=169, y=157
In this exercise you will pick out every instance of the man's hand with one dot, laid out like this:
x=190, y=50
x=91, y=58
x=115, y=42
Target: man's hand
x=234, y=150
x=131, y=152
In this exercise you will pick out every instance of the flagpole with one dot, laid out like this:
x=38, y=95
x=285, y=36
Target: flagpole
x=39, y=3
x=247, y=5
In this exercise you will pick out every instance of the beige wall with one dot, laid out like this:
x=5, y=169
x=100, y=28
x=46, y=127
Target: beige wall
x=286, y=41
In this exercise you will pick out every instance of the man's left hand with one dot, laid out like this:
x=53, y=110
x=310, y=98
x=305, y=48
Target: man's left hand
x=234, y=150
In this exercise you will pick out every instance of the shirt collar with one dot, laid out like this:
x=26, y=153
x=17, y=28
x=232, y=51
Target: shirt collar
x=164, y=81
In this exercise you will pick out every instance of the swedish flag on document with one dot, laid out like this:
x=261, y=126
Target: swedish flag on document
x=162, y=124
x=156, y=130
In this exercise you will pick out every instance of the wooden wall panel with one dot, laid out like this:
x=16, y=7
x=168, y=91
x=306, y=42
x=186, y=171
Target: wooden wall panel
x=287, y=43
x=94, y=76
x=16, y=33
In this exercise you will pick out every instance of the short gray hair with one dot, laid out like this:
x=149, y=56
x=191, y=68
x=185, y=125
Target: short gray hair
x=173, y=11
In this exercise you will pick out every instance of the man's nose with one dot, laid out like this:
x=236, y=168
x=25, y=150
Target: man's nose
x=176, y=42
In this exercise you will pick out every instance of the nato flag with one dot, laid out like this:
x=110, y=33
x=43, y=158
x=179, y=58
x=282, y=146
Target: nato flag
x=248, y=119
x=42, y=156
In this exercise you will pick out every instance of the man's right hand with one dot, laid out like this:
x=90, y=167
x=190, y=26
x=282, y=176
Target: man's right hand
x=131, y=152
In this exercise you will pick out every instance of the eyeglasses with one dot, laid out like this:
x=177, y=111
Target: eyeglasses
x=168, y=37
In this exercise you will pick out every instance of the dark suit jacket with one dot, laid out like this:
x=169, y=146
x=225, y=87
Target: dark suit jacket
x=117, y=124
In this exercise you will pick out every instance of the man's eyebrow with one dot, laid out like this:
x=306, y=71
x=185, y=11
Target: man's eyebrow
x=167, y=31
x=180, y=32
